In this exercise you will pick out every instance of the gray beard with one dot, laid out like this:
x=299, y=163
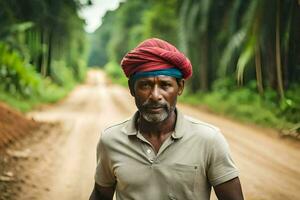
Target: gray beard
x=155, y=118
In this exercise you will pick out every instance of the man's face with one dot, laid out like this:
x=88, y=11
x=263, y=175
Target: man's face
x=155, y=97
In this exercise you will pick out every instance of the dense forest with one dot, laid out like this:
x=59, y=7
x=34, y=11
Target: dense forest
x=42, y=50
x=245, y=54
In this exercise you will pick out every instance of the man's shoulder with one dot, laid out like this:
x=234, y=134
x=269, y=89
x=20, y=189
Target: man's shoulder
x=115, y=128
x=201, y=129
x=200, y=124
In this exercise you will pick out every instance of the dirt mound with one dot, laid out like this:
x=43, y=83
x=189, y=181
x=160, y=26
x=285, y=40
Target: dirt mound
x=13, y=125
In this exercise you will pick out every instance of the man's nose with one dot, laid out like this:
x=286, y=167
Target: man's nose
x=155, y=94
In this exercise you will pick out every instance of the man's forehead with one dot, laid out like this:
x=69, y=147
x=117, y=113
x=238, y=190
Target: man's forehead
x=158, y=78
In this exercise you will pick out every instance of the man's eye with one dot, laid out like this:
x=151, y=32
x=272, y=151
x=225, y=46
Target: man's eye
x=145, y=85
x=166, y=85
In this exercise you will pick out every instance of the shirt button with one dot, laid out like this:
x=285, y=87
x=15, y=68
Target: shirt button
x=171, y=196
x=151, y=160
x=149, y=151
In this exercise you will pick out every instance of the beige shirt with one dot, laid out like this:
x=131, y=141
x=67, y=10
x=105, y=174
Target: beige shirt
x=193, y=159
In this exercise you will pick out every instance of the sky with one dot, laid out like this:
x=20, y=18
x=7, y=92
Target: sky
x=93, y=14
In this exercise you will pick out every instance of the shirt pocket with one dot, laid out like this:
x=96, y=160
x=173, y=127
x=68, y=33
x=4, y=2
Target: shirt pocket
x=182, y=181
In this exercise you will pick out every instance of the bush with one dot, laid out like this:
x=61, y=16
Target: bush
x=114, y=71
x=245, y=104
x=290, y=106
x=16, y=75
x=80, y=70
x=61, y=74
x=22, y=87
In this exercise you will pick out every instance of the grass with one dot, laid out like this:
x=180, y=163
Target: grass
x=23, y=88
x=242, y=106
x=50, y=94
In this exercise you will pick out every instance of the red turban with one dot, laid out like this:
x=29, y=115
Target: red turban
x=155, y=54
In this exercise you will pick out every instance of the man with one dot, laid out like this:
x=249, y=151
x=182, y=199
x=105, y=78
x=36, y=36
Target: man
x=160, y=153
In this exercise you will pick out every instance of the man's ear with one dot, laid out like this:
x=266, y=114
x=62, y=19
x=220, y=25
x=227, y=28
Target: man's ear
x=180, y=86
x=131, y=87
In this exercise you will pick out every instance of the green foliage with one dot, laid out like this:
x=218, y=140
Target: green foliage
x=43, y=32
x=134, y=21
x=127, y=16
x=62, y=75
x=155, y=23
x=227, y=37
x=22, y=87
x=51, y=93
x=99, y=41
x=244, y=104
x=114, y=71
x=290, y=106
x=17, y=76
x=79, y=70
x=42, y=51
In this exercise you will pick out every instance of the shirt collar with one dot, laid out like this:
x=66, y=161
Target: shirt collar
x=130, y=127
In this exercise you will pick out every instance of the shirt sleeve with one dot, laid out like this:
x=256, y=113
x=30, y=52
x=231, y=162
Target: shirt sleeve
x=221, y=166
x=104, y=175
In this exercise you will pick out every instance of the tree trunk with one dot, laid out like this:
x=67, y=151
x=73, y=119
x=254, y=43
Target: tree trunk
x=45, y=54
x=278, y=55
x=204, y=64
x=50, y=44
x=258, y=70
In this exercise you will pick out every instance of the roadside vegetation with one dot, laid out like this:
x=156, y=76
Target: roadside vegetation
x=245, y=54
x=244, y=104
x=42, y=51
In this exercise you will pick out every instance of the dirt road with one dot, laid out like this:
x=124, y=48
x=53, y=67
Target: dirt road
x=65, y=158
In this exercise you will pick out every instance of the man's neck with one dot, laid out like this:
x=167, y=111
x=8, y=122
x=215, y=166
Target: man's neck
x=157, y=133
x=157, y=128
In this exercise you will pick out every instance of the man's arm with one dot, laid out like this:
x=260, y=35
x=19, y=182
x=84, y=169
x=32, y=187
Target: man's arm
x=102, y=193
x=230, y=190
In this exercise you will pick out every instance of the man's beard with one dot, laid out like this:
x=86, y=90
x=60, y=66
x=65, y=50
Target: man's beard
x=156, y=117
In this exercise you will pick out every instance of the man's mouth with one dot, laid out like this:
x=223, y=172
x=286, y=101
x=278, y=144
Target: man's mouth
x=154, y=109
